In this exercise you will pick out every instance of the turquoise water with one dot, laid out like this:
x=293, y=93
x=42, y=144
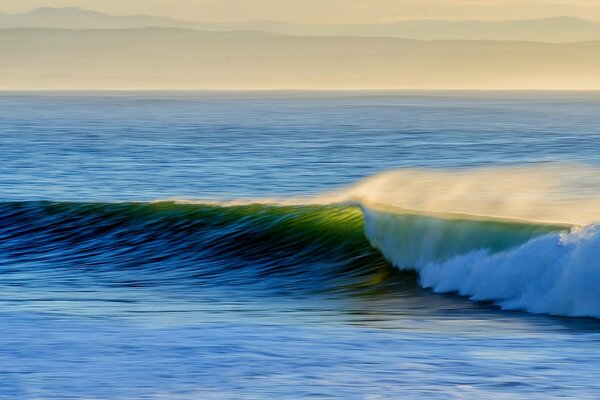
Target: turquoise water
x=141, y=257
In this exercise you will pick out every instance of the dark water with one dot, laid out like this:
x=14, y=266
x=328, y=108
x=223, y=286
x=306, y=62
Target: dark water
x=114, y=288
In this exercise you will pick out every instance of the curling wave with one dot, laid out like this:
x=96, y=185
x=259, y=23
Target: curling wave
x=342, y=242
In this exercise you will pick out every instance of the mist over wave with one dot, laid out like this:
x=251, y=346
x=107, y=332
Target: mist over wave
x=548, y=192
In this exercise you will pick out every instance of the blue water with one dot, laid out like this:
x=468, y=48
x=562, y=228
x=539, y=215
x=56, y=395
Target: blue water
x=112, y=288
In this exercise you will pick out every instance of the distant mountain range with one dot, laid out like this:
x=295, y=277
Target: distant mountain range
x=175, y=58
x=559, y=29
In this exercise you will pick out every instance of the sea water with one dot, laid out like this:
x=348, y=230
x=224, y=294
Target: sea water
x=253, y=245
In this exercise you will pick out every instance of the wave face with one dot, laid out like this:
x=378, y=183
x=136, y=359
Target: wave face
x=271, y=248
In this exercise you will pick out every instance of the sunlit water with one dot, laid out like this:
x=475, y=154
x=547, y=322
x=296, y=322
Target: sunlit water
x=102, y=298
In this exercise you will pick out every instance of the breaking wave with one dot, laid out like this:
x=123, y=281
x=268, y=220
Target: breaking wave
x=522, y=238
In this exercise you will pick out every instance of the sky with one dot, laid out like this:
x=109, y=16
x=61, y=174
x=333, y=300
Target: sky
x=326, y=11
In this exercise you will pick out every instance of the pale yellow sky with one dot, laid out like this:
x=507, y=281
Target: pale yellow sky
x=327, y=11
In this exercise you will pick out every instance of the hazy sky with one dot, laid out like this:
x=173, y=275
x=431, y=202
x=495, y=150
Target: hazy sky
x=326, y=11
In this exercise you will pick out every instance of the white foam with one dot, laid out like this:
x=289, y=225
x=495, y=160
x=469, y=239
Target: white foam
x=554, y=274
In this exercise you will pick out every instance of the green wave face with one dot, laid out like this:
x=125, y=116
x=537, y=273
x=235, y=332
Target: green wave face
x=270, y=248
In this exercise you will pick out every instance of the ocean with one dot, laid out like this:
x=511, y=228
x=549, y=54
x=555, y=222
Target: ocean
x=264, y=245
